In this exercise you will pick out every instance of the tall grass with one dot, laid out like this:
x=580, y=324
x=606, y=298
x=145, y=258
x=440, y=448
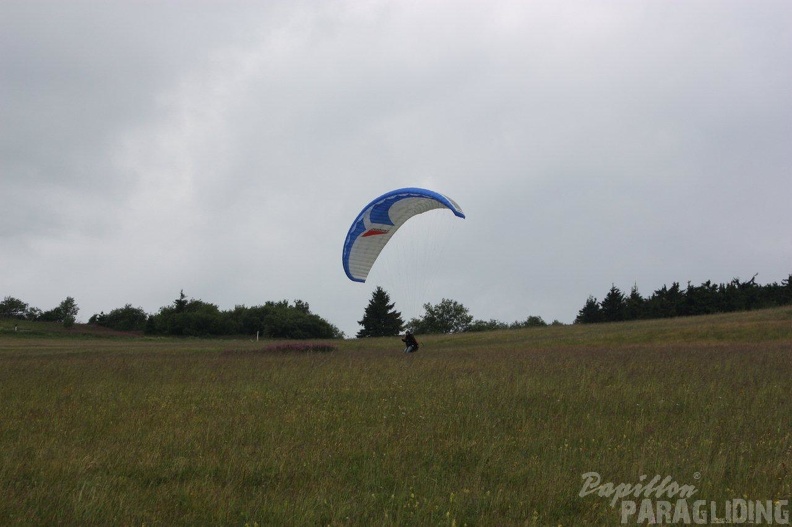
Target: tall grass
x=476, y=429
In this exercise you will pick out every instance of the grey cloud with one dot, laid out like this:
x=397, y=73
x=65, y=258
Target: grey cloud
x=223, y=148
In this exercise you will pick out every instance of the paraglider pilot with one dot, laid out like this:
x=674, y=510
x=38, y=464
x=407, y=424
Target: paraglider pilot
x=410, y=342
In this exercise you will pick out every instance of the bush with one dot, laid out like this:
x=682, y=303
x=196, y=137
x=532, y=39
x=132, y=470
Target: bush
x=277, y=320
x=126, y=318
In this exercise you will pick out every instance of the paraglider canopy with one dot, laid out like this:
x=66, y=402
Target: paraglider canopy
x=379, y=221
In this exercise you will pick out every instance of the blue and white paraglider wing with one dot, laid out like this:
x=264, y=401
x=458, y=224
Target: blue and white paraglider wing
x=379, y=221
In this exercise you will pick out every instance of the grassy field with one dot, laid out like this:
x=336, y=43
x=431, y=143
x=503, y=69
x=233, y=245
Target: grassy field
x=474, y=429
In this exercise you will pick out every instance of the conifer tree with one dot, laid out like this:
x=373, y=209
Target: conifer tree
x=591, y=312
x=613, y=305
x=380, y=319
x=634, y=304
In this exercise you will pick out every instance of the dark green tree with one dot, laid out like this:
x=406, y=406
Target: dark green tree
x=701, y=300
x=634, y=304
x=65, y=313
x=180, y=304
x=282, y=320
x=613, y=305
x=744, y=295
x=591, y=312
x=532, y=321
x=666, y=302
x=12, y=307
x=449, y=316
x=673, y=301
x=279, y=320
x=784, y=292
x=189, y=318
x=69, y=310
x=33, y=313
x=380, y=319
x=126, y=318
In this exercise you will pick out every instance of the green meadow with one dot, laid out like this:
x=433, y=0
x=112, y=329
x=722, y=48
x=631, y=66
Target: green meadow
x=490, y=429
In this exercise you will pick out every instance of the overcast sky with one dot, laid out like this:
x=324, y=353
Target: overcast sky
x=224, y=148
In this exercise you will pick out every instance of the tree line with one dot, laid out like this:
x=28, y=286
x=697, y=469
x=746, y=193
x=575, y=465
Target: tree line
x=381, y=319
x=65, y=313
x=192, y=318
x=284, y=320
x=675, y=301
x=278, y=320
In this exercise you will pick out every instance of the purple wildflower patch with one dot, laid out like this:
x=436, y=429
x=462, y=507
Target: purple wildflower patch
x=298, y=347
